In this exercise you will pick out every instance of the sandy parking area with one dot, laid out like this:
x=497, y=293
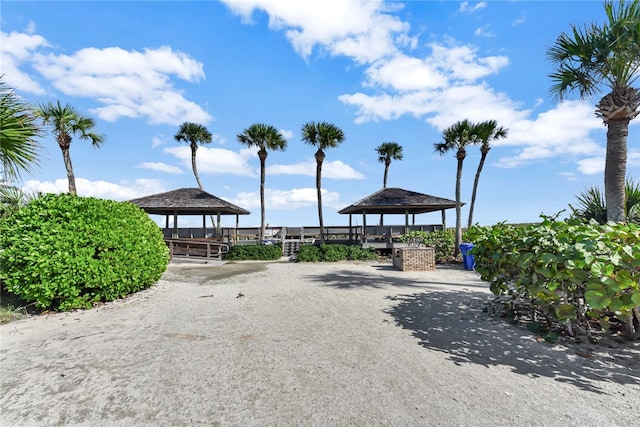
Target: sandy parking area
x=266, y=344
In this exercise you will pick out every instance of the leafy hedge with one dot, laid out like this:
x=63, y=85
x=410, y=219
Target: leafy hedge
x=253, y=252
x=581, y=275
x=442, y=241
x=64, y=252
x=334, y=252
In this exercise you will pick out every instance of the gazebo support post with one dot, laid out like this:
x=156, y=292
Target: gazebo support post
x=218, y=229
x=235, y=233
x=444, y=220
x=364, y=227
x=204, y=225
x=174, y=233
x=406, y=221
x=350, y=231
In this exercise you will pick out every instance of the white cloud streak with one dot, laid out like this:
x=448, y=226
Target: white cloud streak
x=330, y=169
x=161, y=167
x=124, y=190
x=288, y=199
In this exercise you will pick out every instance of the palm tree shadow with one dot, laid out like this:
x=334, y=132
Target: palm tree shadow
x=349, y=279
x=454, y=323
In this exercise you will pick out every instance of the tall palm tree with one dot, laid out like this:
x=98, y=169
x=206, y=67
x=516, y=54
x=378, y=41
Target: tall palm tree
x=66, y=121
x=456, y=138
x=18, y=146
x=487, y=131
x=388, y=151
x=193, y=134
x=321, y=135
x=264, y=137
x=591, y=58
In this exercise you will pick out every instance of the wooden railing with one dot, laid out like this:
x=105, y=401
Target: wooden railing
x=201, y=248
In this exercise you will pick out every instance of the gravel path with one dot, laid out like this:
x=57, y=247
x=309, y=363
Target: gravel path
x=267, y=344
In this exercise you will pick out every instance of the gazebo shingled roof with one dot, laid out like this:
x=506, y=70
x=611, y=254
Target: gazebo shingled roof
x=187, y=201
x=398, y=201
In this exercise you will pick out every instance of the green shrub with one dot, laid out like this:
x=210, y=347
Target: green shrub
x=568, y=272
x=309, y=253
x=334, y=252
x=253, y=252
x=442, y=241
x=64, y=251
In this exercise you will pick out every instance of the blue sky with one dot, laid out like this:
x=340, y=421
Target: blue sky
x=380, y=70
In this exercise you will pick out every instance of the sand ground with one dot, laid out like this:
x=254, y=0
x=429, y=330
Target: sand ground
x=296, y=344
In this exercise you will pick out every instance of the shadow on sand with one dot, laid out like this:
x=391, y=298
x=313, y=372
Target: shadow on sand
x=453, y=323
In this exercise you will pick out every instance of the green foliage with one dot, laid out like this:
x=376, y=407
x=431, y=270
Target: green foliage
x=591, y=204
x=442, y=241
x=253, y=252
x=64, y=252
x=334, y=252
x=568, y=272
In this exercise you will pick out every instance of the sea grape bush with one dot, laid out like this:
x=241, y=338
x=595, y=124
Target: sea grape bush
x=64, y=252
x=442, y=241
x=568, y=272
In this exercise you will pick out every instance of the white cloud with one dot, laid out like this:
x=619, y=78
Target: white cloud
x=216, y=160
x=570, y=176
x=160, y=167
x=484, y=31
x=158, y=141
x=127, y=83
x=15, y=49
x=123, y=190
x=361, y=30
x=591, y=165
x=288, y=134
x=331, y=170
x=287, y=199
x=465, y=7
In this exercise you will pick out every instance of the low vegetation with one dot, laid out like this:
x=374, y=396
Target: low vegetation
x=334, y=253
x=564, y=276
x=64, y=252
x=442, y=241
x=253, y=252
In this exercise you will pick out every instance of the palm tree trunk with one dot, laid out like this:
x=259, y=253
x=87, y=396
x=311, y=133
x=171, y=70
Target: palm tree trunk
x=194, y=167
x=615, y=169
x=262, y=214
x=475, y=189
x=71, y=178
x=319, y=160
x=456, y=249
x=386, y=173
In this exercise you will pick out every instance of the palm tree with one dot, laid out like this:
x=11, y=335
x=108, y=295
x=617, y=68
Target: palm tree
x=18, y=148
x=456, y=138
x=591, y=58
x=264, y=137
x=487, y=131
x=591, y=204
x=66, y=121
x=321, y=135
x=388, y=151
x=193, y=134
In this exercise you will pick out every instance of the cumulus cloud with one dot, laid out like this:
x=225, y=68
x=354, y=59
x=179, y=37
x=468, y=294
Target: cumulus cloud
x=484, y=31
x=128, y=83
x=362, y=30
x=287, y=199
x=16, y=48
x=124, y=190
x=160, y=167
x=216, y=161
x=330, y=169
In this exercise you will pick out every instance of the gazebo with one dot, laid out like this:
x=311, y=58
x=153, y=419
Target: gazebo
x=188, y=201
x=389, y=201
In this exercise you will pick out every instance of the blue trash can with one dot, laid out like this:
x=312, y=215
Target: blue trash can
x=467, y=258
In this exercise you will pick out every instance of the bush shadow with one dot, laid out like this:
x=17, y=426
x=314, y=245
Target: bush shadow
x=454, y=323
